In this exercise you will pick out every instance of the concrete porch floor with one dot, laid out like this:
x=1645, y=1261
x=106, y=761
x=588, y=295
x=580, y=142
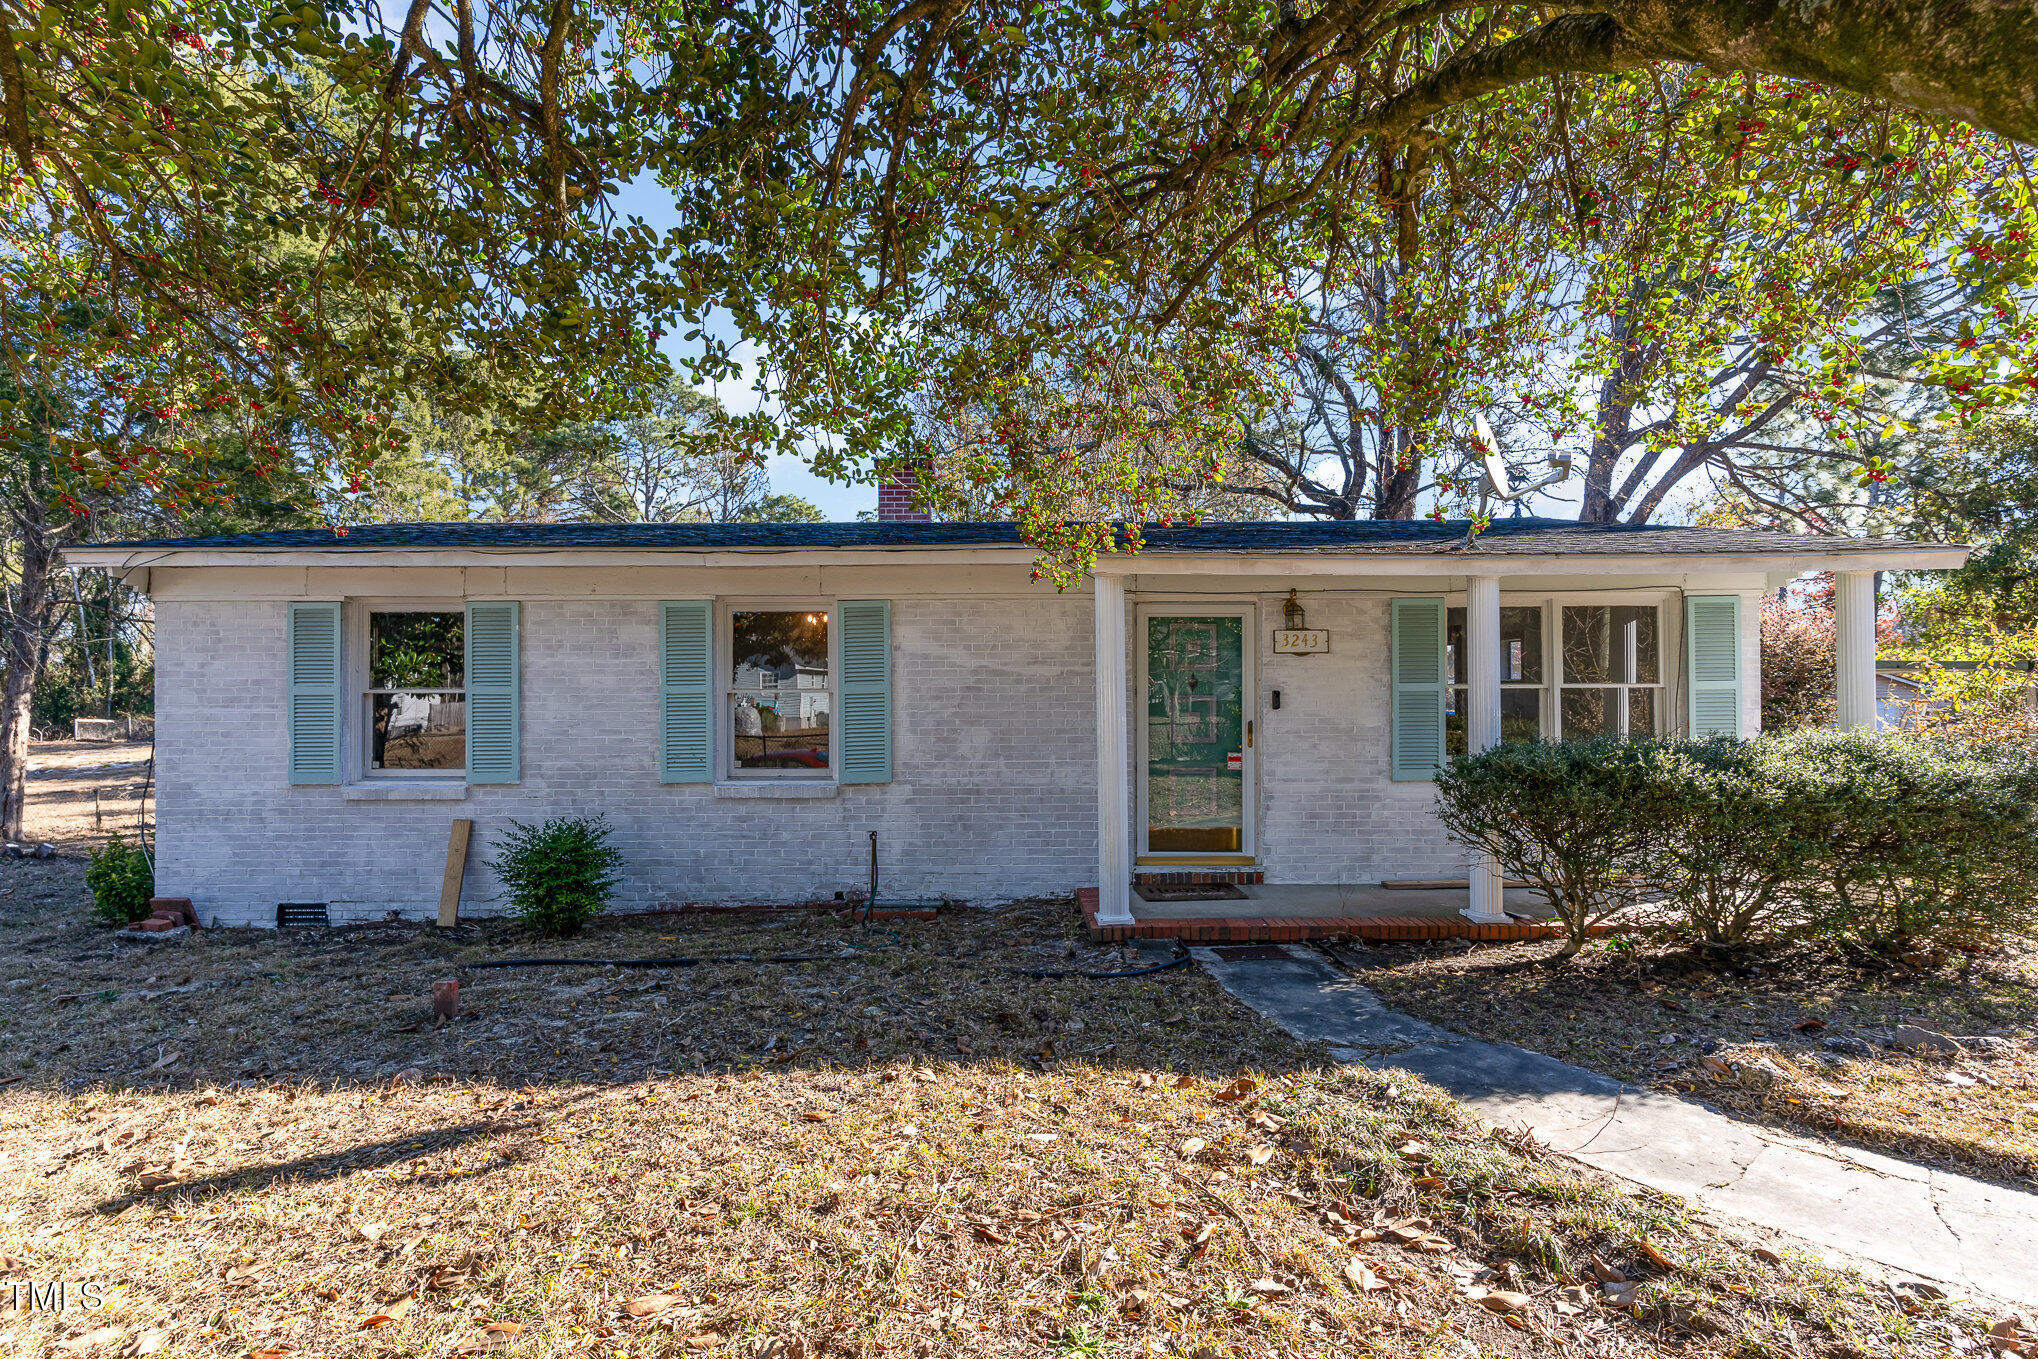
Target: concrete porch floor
x=1288, y=912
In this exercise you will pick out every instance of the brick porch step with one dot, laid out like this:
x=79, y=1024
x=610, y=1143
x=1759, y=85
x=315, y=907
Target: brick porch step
x=1293, y=929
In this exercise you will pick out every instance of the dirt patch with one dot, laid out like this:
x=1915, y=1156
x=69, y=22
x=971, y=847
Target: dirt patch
x=261, y=1144
x=1797, y=1037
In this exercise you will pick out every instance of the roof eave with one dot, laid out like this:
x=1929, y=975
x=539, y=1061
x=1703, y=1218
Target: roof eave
x=1395, y=560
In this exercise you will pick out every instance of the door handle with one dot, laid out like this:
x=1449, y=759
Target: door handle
x=1248, y=734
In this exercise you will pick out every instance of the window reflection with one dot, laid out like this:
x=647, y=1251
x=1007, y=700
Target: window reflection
x=780, y=698
x=416, y=701
x=1612, y=662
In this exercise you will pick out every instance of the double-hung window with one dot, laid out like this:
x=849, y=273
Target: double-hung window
x=414, y=709
x=1521, y=676
x=1612, y=663
x=781, y=693
x=1604, y=665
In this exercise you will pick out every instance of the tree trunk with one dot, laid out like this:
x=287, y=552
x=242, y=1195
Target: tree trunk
x=1398, y=484
x=22, y=634
x=1612, y=421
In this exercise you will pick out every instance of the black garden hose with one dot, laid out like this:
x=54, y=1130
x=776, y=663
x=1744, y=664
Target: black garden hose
x=793, y=958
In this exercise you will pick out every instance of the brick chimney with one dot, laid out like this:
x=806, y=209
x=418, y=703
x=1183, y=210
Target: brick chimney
x=895, y=502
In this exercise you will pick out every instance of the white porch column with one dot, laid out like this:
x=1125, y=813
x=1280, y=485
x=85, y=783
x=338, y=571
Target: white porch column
x=1114, y=795
x=1854, y=647
x=1482, y=723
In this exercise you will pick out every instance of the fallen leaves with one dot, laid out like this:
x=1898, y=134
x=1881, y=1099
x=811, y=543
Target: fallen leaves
x=1411, y=1234
x=1361, y=1277
x=495, y=1335
x=391, y=1313
x=1658, y=1257
x=1192, y=1146
x=651, y=1304
x=456, y=1275
x=2011, y=1335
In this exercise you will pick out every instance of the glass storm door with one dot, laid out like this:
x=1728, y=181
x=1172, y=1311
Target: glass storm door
x=1197, y=735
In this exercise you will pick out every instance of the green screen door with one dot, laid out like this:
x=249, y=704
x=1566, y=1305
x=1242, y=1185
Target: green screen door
x=1195, y=735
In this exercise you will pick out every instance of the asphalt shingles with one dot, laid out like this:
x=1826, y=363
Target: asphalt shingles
x=1422, y=536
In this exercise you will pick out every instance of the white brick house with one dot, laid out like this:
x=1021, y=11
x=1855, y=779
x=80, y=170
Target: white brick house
x=326, y=705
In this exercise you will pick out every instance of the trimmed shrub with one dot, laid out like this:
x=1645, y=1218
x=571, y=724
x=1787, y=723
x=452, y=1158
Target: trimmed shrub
x=1578, y=820
x=122, y=882
x=1908, y=840
x=1881, y=841
x=558, y=876
x=1732, y=852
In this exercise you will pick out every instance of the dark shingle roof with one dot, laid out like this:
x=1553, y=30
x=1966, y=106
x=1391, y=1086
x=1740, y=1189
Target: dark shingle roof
x=1516, y=536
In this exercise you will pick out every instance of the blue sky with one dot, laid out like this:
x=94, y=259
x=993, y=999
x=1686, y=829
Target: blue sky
x=789, y=475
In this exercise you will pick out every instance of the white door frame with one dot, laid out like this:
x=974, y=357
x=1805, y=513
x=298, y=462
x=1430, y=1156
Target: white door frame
x=1246, y=611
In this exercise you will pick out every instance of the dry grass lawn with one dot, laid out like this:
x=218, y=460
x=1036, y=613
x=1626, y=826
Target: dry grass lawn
x=262, y=1145
x=1784, y=1031
x=62, y=780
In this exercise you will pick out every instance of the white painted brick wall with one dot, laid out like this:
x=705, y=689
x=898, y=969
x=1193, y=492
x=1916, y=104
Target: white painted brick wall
x=1328, y=810
x=994, y=762
x=994, y=794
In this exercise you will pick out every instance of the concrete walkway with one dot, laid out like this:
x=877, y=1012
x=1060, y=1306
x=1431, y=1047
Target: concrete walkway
x=1908, y=1218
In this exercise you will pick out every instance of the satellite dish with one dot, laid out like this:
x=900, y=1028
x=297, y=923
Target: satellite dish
x=1498, y=482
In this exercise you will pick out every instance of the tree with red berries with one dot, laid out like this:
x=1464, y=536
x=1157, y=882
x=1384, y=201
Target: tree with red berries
x=305, y=214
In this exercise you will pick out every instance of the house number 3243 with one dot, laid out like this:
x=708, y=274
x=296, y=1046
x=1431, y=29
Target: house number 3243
x=1300, y=641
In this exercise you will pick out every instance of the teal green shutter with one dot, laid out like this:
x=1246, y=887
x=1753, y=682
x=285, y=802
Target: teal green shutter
x=1712, y=647
x=684, y=698
x=866, y=701
x=1418, y=689
x=494, y=753
x=314, y=697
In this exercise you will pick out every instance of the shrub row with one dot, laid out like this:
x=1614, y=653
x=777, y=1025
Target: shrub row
x=1878, y=840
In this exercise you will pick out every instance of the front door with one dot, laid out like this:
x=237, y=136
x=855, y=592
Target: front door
x=1196, y=733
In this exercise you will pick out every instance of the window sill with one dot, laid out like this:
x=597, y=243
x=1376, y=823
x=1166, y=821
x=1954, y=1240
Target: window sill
x=777, y=788
x=405, y=790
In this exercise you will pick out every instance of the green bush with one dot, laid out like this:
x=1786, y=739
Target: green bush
x=1875, y=840
x=122, y=881
x=1577, y=820
x=1732, y=851
x=558, y=876
x=1909, y=841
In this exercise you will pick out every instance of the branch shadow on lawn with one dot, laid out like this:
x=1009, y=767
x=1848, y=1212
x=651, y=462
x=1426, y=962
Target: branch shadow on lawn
x=339, y=1164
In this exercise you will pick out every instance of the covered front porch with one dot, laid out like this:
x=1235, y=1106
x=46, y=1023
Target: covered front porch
x=1292, y=912
x=1293, y=759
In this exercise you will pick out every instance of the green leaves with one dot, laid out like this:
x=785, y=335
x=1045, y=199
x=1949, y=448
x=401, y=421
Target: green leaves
x=558, y=876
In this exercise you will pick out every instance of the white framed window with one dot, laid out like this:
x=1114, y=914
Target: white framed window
x=1523, y=675
x=1611, y=656
x=778, y=681
x=411, y=690
x=1568, y=667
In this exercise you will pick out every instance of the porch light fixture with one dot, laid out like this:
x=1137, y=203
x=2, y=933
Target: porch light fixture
x=1291, y=613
